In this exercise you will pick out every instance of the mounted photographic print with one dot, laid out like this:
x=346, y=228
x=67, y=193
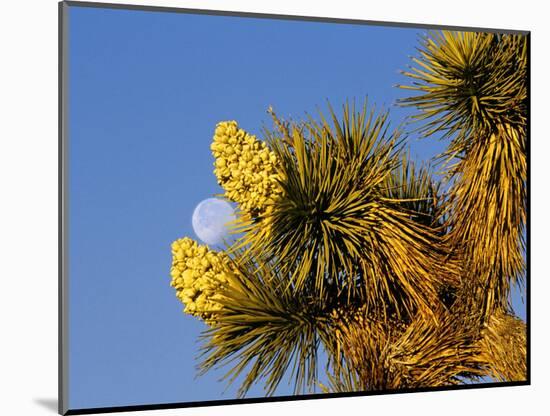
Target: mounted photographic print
x=265, y=208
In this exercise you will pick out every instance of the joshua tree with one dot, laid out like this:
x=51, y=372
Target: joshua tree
x=349, y=246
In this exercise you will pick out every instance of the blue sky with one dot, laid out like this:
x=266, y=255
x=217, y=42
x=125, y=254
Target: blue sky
x=146, y=91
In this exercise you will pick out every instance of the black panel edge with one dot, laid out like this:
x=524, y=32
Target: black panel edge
x=166, y=9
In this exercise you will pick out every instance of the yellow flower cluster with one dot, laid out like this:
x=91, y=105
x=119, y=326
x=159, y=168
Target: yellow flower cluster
x=199, y=276
x=245, y=168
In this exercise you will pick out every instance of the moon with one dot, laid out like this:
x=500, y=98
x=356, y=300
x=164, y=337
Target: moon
x=210, y=220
